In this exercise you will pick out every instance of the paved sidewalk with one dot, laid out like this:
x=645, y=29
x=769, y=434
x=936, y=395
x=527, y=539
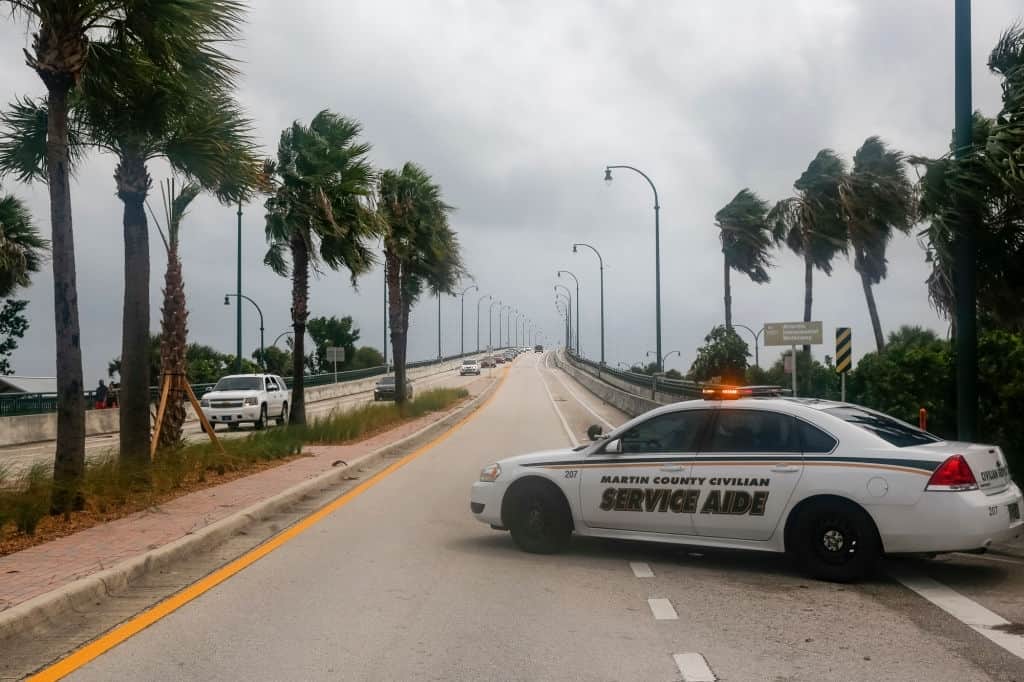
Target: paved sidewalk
x=40, y=569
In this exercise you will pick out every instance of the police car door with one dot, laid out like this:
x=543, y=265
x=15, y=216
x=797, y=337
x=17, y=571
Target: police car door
x=640, y=480
x=747, y=471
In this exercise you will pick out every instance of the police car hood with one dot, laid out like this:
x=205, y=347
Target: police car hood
x=543, y=457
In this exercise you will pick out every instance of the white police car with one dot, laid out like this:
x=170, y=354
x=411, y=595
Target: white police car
x=834, y=484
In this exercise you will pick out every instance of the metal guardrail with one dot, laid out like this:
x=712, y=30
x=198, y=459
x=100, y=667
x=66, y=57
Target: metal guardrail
x=20, y=404
x=660, y=384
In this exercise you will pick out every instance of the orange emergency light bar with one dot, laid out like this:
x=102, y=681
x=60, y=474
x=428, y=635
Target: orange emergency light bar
x=736, y=392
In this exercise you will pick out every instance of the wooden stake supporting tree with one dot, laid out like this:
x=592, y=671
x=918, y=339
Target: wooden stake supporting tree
x=172, y=386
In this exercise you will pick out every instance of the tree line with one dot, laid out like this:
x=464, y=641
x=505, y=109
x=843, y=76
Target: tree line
x=855, y=210
x=150, y=80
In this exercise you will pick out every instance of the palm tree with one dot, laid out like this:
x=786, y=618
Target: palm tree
x=174, y=323
x=22, y=249
x=746, y=237
x=421, y=251
x=71, y=39
x=811, y=223
x=316, y=214
x=129, y=106
x=877, y=198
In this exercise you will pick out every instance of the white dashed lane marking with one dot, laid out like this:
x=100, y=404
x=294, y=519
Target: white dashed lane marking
x=641, y=570
x=662, y=609
x=694, y=668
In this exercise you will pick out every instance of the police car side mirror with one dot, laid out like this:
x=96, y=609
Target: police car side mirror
x=594, y=431
x=613, y=447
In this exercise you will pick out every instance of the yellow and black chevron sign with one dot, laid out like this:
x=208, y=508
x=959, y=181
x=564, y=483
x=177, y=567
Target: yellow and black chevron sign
x=844, y=349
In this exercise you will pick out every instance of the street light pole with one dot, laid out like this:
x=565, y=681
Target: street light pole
x=478, y=301
x=490, y=325
x=600, y=262
x=965, y=252
x=278, y=338
x=238, y=292
x=657, y=250
x=263, y=360
x=575, y=279
x=569, y=295
x=462, y=319
x=757, y=358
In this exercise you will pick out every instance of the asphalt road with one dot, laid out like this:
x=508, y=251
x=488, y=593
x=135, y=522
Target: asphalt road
x=402, y=584
x=18, y=458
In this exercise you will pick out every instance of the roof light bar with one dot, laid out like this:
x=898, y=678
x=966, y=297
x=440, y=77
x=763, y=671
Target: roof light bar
x=736, y=392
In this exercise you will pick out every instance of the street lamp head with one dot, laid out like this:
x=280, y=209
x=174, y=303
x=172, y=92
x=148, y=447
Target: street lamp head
x=226, y=301
x=574, y=247
x=608, y=175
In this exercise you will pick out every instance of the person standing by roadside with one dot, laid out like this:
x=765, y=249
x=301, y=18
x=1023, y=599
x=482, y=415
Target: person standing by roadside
x=100, y=394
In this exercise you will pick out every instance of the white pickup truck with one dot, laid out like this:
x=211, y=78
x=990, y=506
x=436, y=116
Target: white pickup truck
x=251, y=398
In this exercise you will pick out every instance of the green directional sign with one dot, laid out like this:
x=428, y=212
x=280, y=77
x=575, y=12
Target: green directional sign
x=844, y=349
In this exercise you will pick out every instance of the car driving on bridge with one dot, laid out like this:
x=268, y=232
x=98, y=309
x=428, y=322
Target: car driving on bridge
x=247, y=398
x=836, y=485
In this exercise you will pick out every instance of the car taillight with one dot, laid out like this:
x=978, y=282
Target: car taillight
x=953, y=474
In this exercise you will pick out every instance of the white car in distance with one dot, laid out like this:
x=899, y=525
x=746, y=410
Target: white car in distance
x=469, y=367
x=247, y=398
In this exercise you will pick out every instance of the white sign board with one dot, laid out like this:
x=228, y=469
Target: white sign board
x=792, y=333
x=335, y=354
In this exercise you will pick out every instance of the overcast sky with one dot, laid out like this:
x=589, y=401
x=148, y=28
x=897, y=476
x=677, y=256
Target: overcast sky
x=515, y=108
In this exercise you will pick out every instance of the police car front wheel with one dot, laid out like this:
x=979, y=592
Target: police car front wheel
x=539, y=518
x=835, y=540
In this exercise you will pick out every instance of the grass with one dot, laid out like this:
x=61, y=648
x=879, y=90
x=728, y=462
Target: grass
x=110, y=490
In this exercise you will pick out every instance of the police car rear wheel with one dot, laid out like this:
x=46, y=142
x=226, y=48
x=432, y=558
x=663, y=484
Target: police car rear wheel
x=835, y=541
x=540, y=522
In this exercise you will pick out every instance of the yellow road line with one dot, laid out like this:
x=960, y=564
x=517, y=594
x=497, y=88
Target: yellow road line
x=140, y=622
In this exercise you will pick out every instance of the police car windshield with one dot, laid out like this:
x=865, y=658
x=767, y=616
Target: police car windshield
x=893, y=431
x=239, y=384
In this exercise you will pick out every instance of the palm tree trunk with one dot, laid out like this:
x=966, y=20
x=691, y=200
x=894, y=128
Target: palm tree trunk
x=132, y=188
x=173, y=346
x=300, y=313
x=876, y=324
x=69, y=459
x=398, y=317
x=728, y=294
x=808, y=292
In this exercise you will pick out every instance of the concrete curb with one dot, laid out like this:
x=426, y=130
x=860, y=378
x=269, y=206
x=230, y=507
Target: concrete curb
x=54, y=606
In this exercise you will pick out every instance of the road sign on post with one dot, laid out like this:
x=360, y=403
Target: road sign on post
x=335, y=354
x=844, y=356
x=792, y=334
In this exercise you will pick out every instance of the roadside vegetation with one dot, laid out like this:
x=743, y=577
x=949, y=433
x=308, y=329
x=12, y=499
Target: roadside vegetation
x=111, y=489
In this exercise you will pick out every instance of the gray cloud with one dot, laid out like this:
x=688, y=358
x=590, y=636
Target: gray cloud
x=516, y=108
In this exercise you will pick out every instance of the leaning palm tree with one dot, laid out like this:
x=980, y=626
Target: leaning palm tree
x=130, y=107
x=877, y=200
x=811, y=223
x=174, y=322
x=22, y=249
x=746, y=237
x=70, y=40
x=316, y=215
x=421, y=251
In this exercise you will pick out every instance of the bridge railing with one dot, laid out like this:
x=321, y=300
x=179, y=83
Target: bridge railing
x=18, y=404
x=647, y=383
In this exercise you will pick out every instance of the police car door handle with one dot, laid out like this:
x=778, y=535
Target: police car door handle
x=672, y=467
x=785, y=469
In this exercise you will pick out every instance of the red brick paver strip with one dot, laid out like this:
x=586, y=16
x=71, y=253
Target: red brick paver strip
x=37, y=570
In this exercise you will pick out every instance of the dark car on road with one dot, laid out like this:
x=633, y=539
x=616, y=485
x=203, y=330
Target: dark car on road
x=385, y=389
x=538, y=348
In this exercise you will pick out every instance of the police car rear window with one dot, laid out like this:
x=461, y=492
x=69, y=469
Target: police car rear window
x=893, y=431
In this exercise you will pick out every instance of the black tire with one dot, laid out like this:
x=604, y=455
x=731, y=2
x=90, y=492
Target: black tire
x=835, y=540
x=539, y=519
x=283, y=417
x=260, y=423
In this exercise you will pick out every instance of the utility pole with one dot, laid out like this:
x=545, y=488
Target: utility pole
x=965, y=252
x=238, y=292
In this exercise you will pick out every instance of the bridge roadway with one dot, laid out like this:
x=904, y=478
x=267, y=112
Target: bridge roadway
x=401, y=583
